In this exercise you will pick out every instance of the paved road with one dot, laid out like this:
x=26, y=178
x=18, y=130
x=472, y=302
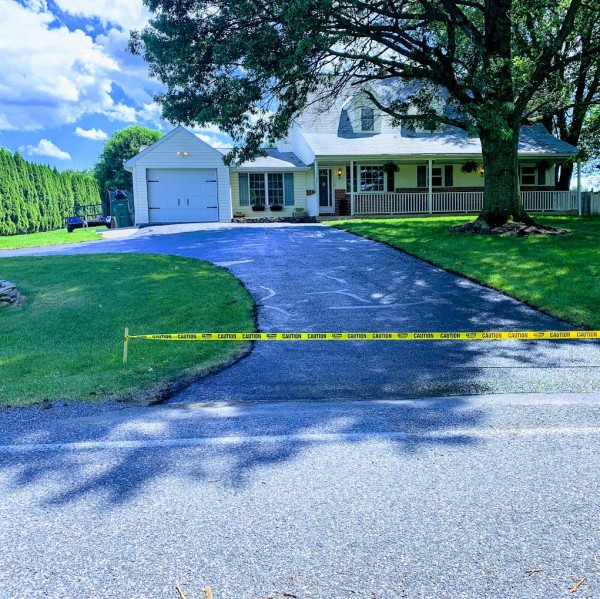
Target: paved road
x=315, y=278
x=336, y=500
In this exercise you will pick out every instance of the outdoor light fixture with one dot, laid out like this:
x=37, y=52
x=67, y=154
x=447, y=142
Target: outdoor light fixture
x=183, y=154
x=339, y=173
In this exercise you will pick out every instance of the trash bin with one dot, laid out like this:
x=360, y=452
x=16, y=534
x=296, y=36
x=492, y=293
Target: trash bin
x=119, y=209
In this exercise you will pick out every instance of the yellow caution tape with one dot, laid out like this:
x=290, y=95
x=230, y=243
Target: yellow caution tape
x=392, y=336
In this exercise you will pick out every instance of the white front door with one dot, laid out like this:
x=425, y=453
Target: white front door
x=182, y=195
x=326, y=203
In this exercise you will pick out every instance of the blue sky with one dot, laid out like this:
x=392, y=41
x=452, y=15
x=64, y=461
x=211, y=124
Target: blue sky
x=67, y=82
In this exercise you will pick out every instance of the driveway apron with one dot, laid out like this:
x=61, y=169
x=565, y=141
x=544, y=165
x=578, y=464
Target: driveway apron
x=315, y=278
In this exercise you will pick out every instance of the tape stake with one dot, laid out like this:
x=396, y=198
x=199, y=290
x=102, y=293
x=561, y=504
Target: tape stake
x=377, y=336
x=125, y=345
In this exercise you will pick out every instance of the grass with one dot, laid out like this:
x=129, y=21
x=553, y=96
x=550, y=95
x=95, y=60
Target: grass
x=65, y=342
x=560, y=275
x=31, y=240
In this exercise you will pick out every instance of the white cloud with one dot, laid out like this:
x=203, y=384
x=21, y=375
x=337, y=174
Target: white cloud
x=53, y=76
x=45, y=148
x=37, y=5
x=127, y=14
x=211, y=140
x=95, y=134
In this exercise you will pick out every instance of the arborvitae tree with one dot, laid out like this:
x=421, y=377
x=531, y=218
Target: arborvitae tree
x=7, y=208
x=30, y=197
x=35, y=197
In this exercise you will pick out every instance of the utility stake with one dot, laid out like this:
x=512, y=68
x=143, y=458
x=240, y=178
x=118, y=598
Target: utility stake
x=125, y=345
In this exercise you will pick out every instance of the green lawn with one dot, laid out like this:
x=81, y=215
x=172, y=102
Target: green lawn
x=15, y=242
x=66, y=341
x=560, y=275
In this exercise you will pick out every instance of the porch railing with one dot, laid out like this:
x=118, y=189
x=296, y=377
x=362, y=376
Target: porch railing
x=457, y=201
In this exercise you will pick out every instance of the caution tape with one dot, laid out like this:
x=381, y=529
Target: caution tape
x=387, y=336
x=394, y=336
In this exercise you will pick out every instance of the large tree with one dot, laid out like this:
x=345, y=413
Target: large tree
x=567, y=103
x=251, y=65
x=119, y=148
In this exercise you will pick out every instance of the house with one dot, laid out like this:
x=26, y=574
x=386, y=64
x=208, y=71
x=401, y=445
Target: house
x=343, y=158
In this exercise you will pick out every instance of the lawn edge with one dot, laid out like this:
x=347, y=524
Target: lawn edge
x=468, y=278
x=52, y=245
x=160, y=392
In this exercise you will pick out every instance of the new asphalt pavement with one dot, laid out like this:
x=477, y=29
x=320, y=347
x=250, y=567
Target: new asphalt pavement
x=320, y=470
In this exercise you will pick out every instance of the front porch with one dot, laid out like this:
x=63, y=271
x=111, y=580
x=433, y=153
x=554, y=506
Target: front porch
x=442, y=186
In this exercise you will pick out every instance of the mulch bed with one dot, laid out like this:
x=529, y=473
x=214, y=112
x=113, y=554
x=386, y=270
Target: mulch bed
x=516, y=229
x=276, y=219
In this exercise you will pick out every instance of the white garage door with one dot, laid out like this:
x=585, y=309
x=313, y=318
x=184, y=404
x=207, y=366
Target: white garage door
x=182, y=195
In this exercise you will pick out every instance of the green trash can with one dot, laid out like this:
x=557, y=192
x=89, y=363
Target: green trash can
x=119, y=209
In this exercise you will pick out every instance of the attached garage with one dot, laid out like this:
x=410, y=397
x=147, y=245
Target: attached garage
x=182, y=195
x=180, y=179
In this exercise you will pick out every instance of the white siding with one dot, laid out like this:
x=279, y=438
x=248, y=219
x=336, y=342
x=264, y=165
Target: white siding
x=164, y=155
x=296, y=143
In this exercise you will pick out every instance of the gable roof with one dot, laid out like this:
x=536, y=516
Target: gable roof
x=327, y=127
x=179, y=129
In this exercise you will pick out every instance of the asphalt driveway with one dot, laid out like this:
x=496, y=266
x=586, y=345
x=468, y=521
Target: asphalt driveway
x=315, y=278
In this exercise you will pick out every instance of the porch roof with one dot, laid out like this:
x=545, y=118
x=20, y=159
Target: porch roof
x=274, y=160
x=534, y=141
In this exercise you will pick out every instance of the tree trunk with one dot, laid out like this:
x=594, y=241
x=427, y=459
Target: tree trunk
x=563, y=182
x=501, y=194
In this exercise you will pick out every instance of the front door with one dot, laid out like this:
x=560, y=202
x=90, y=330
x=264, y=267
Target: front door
x=326, y=205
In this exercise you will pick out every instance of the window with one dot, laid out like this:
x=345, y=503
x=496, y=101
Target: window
x=258, y=192
x=266, y=189
x=528, y=175
x=441, y=176
x=367, y=119
x=372, y=178
x=275, y=189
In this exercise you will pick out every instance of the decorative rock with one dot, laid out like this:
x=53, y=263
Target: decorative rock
x=9, y=294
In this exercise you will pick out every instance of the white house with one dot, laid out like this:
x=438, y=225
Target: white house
x=344, y=158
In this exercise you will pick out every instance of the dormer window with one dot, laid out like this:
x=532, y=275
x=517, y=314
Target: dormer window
x=367, y=119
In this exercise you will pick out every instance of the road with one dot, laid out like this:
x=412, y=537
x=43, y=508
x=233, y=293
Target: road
x=452, y=497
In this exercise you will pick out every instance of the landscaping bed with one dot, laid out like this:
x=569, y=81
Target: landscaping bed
x=15, y=242
x=65, y=339
x=557, y=274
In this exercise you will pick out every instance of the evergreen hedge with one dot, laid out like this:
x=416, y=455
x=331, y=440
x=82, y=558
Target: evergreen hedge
x=35, y=198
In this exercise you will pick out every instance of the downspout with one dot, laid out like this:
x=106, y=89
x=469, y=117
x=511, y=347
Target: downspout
x=317, y=186
x=352, y=188
x=430, y=187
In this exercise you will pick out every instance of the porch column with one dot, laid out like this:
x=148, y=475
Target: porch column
x=352, y=188
x=579, y=205
x=430, y=187
x=317, y=186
